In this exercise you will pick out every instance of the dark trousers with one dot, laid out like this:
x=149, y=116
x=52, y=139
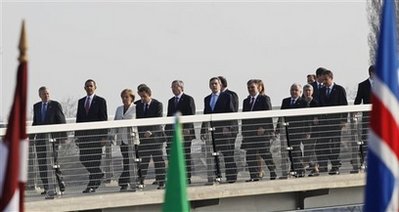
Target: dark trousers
x=42, y=154
x=124, y=179
x=328, y=146
x=187, y=155
x=309, y=150
x=151, y=148
x=90, y=156
x=365, y=128
x=225, y=145
x=296, y=138
x=261, y=148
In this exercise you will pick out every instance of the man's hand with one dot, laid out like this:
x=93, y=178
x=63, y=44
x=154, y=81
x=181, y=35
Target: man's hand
x=186, y=132
x=226, y=131
x=147, y=134
x=315, y=121
x=260, y=131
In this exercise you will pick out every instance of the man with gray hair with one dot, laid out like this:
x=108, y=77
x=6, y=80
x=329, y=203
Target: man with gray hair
x=295, y=130
x=48, y=112
x=184, y=104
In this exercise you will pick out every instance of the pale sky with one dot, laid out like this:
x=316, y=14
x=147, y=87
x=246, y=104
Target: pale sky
x=123, y=44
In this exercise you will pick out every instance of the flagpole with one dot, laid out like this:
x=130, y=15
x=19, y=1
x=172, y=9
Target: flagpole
x=24, y=143
x=23, y=45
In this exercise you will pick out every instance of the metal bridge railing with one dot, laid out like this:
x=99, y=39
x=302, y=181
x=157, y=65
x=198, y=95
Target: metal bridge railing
x=242, y=147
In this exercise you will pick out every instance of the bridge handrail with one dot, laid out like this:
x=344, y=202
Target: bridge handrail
x=194, y=118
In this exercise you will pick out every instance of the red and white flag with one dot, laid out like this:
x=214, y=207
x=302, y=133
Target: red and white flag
x=14, y=145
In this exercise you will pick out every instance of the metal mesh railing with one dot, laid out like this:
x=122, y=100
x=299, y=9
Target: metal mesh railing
x=125, y=156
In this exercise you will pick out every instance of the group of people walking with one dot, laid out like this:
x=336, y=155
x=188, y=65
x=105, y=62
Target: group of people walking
x=147, y=141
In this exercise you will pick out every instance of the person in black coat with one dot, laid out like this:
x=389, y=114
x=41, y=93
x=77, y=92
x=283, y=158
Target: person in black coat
x=235, y=102
x=329, y=145
x=297, y=128
x=91, y=108
x=220, y=102
x=151, y=137
x=257, y=133
x=318, y=84
x=184, y=104
x=48, y=112
x=363, y=95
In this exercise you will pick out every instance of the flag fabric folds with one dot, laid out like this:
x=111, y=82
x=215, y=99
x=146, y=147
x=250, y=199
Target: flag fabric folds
x=383, y=164
x=176, y=182
x=14, y=147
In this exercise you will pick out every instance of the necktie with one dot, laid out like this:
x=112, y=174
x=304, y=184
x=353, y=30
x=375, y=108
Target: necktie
x=87, y=105
x=44, y=110
x=292, y=101
x=252, y=103
x=146, y=106
x=213, y=102
x=328, y=91
x=176, y=101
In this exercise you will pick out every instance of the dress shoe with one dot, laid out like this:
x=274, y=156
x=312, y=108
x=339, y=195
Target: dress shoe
x=123, y=188
x=231, y=181
x=44, y=192
x=321, y=170
x=161, y=186
x=62, y=186
x=314, y=173
x=300, y=174
x=252, y=180
x=89, y=190
x=155, y=182
x=273, y=175
x=334, y=171
x=354, y=171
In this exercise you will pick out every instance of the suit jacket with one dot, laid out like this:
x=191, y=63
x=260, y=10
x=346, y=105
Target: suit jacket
x=363, y=93
x=123, y=135
x=337, y=97
x=186, y=106
x=234, y=99
x=223, y=104
x=97, y=112
x=316, y=91
x=155, y=110
x=297, y=124
x=54, y=115
x=250, y=126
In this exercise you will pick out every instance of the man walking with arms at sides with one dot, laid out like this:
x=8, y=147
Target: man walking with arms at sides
x=48, y=112
x=257, y=133
x=91, y=108
x=297, y=128
x=364, y=96
x=183, y=103
x=151, y=137
x=221, y=102
x=328, y=147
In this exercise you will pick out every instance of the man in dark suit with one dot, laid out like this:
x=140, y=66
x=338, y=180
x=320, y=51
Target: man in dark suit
x=48, y=112
x=328, y=147
x=257, y=133
x=364, y=96
x=151, y=137
x=221, y=102
x=318, y=84
x=234, y=96
x=184, y=104
x=91, y=108
x=297, y=128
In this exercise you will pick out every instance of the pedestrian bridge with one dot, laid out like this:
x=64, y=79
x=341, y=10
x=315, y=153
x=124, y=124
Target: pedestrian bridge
x=293, y=146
